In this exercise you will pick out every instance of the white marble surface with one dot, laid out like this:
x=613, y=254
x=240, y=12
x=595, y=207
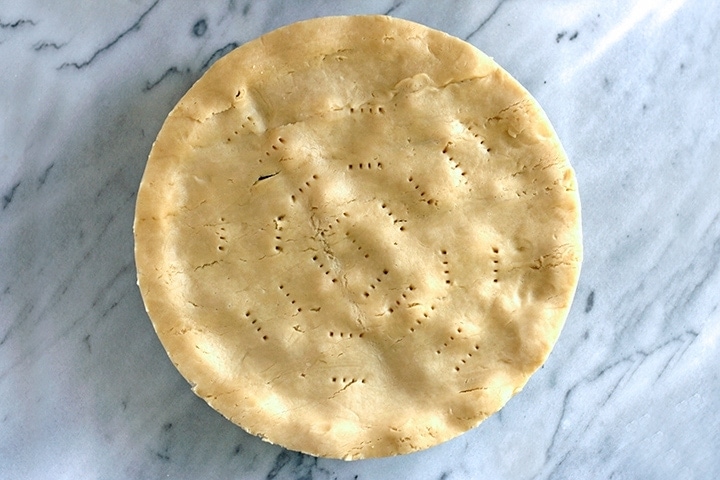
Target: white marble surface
x=632, y=389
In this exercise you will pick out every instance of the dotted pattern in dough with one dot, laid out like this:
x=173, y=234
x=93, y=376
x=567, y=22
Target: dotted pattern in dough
x=357, y=237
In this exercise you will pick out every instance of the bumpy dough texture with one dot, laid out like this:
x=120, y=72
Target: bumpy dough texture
x=357, y=236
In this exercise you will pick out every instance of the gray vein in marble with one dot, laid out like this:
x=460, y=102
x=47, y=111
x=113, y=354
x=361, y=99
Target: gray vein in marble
x=394, y=7
x=200, y=28
x=172, y=71
x=133, y=28
x=97, y=306
x=48, y=45
x=299, y=466
x=17, y=23
x=562, y=35
x=219, y=53
x=590, y=301
x=485, y=20
x=695, y=272
x=44, y=175
x=8, y=197
x=231, y=8
x=621, y=370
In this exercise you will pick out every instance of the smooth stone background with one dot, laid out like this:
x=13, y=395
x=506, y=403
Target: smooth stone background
x=632, y=388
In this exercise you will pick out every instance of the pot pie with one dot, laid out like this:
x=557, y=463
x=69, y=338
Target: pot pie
x=357, y=236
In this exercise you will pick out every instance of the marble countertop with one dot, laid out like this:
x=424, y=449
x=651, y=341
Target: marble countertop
x=632, y=389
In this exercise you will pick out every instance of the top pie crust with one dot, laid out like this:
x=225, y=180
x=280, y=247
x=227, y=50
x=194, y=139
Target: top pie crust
x=357, y=236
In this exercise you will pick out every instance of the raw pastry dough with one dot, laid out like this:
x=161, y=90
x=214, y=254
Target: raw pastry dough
x=357, y=236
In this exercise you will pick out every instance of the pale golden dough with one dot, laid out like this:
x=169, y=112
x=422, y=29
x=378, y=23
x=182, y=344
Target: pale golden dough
x=357, y=236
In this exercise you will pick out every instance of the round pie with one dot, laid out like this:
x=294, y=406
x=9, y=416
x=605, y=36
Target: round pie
x=357, y=236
